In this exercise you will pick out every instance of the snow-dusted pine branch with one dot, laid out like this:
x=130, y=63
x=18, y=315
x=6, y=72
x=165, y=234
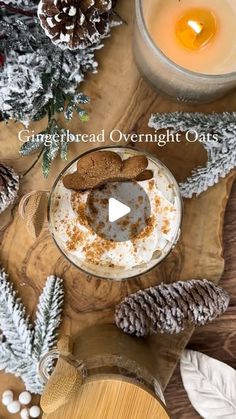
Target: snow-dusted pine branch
x=7, y=356
x=13, y=321
x=21, y=366
x=38, y=79
x=48, y=316
x=21, y=344
x=35, y=71
x=221, y=151
x=22, y=3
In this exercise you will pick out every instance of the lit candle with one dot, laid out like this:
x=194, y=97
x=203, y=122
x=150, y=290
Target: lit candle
x=187, y=48
x=195, y=29
x=197, y=34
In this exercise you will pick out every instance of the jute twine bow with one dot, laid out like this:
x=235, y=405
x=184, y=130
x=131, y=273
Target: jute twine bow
x=33, y=209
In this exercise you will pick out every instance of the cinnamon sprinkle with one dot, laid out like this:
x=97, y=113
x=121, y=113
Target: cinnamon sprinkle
x=75, y=237
x=166, y=226
x=157, y=202
x=95, y=251
x=147, y=230
x=151, y=184
x=79, y=208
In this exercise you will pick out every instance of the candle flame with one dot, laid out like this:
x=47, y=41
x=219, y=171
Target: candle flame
x=197, y=27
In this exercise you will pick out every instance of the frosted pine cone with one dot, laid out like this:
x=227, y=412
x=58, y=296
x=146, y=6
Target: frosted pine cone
x=9, y=186
x=169, y=308
x=77, y=24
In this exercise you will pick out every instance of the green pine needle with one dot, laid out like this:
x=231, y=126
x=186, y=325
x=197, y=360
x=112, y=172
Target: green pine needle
x=31, y=146
x=52, y=143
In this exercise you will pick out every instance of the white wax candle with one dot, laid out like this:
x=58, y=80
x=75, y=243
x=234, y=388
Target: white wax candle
x=217, y=55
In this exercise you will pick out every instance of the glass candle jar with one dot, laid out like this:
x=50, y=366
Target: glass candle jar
x=111, y=361
x=81, y=246
x=162, y=71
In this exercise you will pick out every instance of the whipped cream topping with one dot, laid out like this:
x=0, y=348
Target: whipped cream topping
x=76, y=238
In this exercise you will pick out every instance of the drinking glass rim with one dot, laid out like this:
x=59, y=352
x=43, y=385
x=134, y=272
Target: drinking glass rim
x=73, y=161
x=143, y=28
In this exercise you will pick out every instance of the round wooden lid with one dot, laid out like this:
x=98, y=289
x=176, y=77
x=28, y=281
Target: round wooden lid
x=111, y=398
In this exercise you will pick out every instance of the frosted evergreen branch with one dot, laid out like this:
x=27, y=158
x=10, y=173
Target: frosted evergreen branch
x=59, y=137
x=7, y=356
x=36, y=71
x=48, y=316
x=18, y=355
x=20, y=367
x=38, y=79
x=183, y=121
x=22, y=3
x=221, y=152
x=13, y=322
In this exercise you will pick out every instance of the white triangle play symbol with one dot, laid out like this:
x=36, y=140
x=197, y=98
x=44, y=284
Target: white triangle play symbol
x=117, y=210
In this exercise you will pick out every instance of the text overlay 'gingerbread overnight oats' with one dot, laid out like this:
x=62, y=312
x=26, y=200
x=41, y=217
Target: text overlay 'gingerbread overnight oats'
x=115, y=213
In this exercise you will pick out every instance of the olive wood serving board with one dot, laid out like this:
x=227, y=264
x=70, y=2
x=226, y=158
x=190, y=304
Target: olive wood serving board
x=120, y=99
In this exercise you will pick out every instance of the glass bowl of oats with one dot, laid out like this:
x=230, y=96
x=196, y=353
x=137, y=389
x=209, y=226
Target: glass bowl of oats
x=79, y=217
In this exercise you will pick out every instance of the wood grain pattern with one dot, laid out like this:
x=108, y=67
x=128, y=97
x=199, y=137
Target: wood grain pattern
x=217, y=339
x=120, y=99
x=114, y=397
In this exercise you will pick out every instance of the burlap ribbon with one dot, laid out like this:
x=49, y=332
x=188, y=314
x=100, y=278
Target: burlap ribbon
x=33, y=210
x=65, y=380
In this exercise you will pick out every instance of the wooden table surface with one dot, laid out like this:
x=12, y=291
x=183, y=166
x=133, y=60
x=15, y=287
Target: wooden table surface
x=88, y=300
x=217, y=339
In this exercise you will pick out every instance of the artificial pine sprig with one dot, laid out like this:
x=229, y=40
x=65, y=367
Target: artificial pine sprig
x=21, y=343
x=20, y=4
x=221, y=151
x=37, y=74
x=18, y=332
x=54, y=140
x=48, y=316
x=37, y=78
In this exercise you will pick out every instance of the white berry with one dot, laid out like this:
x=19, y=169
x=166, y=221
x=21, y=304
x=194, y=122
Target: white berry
x=25, y=398
x=13, y=407
x=34, y=412
x=8, y=393
x=6, y=400
x=24, y=414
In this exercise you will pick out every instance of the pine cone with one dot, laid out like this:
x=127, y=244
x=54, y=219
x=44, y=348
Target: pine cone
x=9, y=186
x=77, y=24
x=168, y=308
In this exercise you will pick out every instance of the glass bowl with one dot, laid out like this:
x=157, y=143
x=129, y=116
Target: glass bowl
x=59, y=201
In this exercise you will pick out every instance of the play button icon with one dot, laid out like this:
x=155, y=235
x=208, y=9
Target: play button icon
x=117, y=210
